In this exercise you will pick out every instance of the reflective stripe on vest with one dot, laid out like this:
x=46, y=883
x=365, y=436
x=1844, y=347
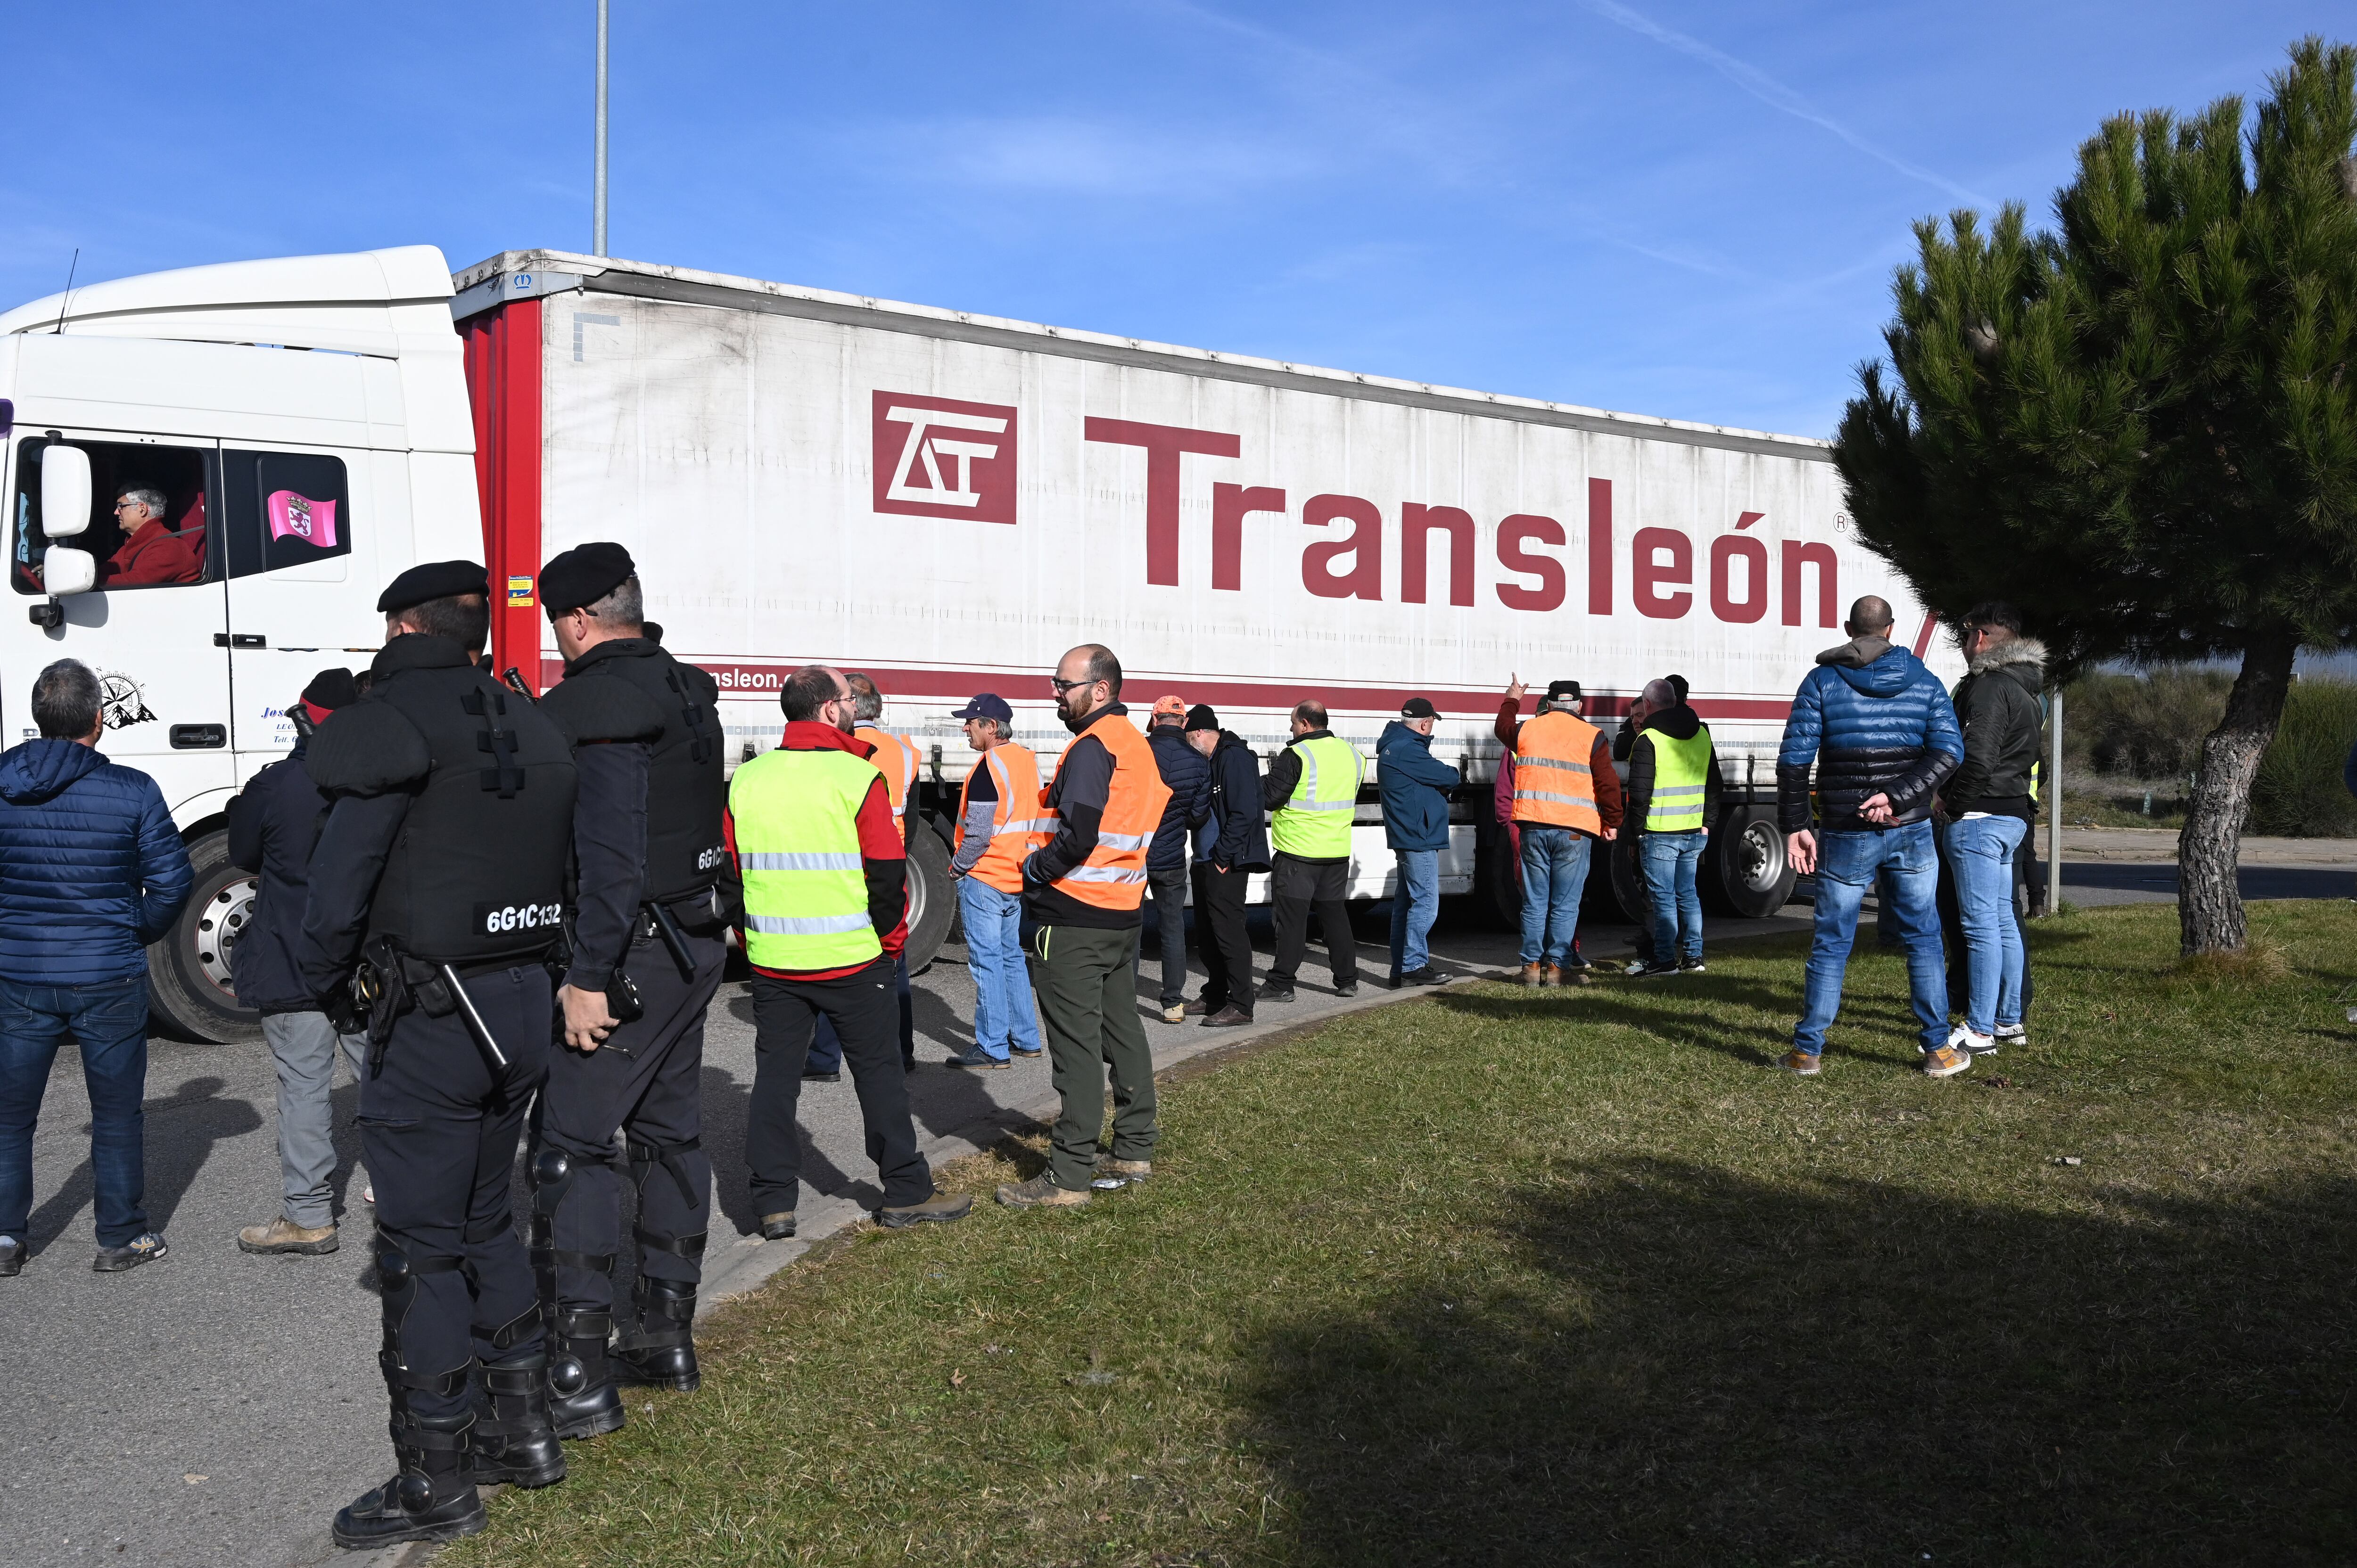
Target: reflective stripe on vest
x=1114, y=877
x=1680, y=770
x=1315, y=824
x=1552, y=785
x=797, y=844
x=897, y=760
x=1019, y=825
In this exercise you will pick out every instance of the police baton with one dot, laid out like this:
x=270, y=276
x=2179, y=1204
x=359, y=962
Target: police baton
x=475, y=1024
x=674, y=940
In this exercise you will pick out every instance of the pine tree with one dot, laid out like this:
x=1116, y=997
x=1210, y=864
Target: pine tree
x=2141, y=427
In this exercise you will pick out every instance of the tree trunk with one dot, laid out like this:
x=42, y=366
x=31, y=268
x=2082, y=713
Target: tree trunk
x=2209, y=902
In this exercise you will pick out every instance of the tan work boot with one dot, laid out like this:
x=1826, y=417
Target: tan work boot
x=1550, y=975
x=1110, y=1169
x=1039, y=1192
x=282, y=1235
x=1175, y=1013
x=1530, y=975
x=941, y=1206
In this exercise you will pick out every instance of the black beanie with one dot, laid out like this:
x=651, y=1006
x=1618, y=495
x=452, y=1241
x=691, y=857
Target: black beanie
x=1201, y=717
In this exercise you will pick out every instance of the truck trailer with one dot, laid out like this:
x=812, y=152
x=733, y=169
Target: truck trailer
x=943, y=500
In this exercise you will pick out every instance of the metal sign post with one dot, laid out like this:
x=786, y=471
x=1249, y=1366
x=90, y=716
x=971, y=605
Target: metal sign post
x=598, y=224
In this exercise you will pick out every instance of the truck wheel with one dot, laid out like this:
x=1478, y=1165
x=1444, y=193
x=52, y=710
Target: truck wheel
x=932, y=898
x=189, y=983
x=1498, y=881
x=1627, y=893
x=1748, y=874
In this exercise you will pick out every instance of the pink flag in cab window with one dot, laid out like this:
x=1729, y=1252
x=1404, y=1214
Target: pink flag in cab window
x=296, y=515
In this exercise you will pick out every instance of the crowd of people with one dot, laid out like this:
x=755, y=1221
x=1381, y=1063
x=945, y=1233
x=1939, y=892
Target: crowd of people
x=511, y=916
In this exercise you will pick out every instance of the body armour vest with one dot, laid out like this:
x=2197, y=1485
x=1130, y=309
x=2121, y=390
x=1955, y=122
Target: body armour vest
x=685, y=793
x=478, y=872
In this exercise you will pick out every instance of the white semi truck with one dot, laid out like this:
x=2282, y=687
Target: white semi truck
x=943, y=500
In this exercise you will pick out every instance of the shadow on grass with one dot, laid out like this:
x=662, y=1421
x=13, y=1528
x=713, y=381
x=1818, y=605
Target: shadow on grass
x=1693, y=1368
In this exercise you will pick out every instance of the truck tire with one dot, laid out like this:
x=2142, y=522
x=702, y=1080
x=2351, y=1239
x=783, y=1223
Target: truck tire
x=1746, y=873
x=1498, y=877
x=1627, y=897
x=188, y=983
x=933, y=897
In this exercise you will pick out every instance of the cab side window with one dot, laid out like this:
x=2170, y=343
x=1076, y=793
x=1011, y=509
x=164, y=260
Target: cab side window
x=151, y=523
x=285, y=509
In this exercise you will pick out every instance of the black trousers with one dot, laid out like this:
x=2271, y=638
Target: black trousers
x=865, y=1014
x=1227, y=946
x=645, y=1081
x=826, y=1051
x=438, y=1134
x=1169, y=894
x=1300, y=885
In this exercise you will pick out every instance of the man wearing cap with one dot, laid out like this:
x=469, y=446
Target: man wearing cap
x=1189, y=777
x=1235, y=845
x=1567, y=798
x=895, y=759
x=436, y=898
x=273, y=823
x=655, y=892
x=1416, y=790
x=1312, y=794
x=1000, y=822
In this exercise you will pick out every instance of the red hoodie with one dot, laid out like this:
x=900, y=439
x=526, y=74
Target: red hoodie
x=883, y=857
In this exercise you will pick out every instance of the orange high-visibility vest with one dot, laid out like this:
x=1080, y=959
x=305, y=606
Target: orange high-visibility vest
x=1552, y=784
x=1020, y=825
x=897, y=760
x=1114, y=877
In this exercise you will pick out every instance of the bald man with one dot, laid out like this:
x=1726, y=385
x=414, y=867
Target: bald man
x=1878, y=731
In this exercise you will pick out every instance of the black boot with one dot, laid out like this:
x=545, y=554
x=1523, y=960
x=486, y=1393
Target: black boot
x=582, y=1398
x=433, y=1497
x=662, y=1354
x=513, y=1441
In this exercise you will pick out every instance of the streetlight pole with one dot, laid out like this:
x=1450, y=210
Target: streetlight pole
x=598, y=225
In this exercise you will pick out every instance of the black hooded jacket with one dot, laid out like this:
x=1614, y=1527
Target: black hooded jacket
x=1996, y=707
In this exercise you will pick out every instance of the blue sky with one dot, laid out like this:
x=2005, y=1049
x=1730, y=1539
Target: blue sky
x=1684, y=209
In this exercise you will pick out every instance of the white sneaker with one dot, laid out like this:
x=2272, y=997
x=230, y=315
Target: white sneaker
x=1638, y=968
x=1963, y=1039
x=2008, y=1035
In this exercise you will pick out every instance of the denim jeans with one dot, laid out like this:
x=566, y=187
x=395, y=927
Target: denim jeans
x=1847, y=865
x=1002, y=1014
x=1980, y=856
x=1671, y=862
x=1555, y=875
x=109, y=1019
x=1415, y=901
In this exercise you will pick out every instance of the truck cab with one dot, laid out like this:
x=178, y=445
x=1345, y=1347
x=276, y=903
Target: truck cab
x=210, y=474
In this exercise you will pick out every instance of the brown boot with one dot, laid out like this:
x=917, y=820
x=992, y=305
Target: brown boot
x=1530, y=974
x=282, y=1235
x=1039, y=1192
x=1550, y=975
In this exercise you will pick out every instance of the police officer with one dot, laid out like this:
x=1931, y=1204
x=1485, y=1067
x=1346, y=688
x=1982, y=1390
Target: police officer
x=656, y=890
x=436, y=890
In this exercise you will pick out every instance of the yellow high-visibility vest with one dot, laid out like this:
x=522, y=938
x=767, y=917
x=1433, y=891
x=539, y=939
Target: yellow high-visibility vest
x=1315, y=824
x=797, y=820
x=1680, y=770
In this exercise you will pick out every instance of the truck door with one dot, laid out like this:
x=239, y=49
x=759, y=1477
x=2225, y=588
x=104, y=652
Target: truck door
x=154, y=627
x=299, y=523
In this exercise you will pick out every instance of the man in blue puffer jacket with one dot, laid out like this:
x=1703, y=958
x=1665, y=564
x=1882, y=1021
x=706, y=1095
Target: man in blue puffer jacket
x=1416, y=790
x=1881, y=733
x=91, y=870
x=1189, y=776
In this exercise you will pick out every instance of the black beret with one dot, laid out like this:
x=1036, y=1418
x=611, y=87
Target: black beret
x=583, y=576
x=433, y=580
x=332, y=688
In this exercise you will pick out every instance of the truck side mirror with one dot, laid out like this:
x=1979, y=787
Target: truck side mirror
x=65, y=494
x=67, y=571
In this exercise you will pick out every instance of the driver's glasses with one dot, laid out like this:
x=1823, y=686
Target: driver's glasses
x=1064, y=686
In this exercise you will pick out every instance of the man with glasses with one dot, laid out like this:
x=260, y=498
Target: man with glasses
x=151, y=552
x=1082, y=894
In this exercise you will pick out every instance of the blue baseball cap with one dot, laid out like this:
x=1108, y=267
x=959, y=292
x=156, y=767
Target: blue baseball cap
x=986, y=706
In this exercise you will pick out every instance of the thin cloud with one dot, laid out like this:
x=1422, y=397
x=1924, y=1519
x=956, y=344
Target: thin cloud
x=1773, y=93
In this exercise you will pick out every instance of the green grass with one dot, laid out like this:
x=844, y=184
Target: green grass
x=1570, y=1277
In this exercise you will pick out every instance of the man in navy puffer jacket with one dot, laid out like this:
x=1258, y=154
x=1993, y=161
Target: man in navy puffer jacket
x=1881, y=733
x=1184, y=769
x=91, y=870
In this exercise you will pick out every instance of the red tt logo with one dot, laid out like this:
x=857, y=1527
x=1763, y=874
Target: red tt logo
x=934, y=456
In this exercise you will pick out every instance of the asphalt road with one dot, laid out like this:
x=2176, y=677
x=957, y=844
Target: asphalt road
x=216, y=1408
